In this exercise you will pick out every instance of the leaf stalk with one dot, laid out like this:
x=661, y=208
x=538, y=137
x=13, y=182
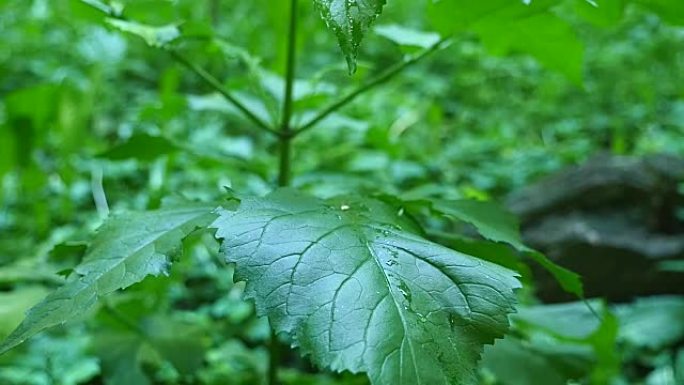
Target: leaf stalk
x=382, y=78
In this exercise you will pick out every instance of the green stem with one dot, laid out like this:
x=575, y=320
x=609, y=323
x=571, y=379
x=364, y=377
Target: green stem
x=383, y=77
x=285, y=167
x=216, y=85
x=286, y=130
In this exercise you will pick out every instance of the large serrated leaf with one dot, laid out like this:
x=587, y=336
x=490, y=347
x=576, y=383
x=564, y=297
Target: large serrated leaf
x=126, y=249
x=350, y=20
x=355, y=288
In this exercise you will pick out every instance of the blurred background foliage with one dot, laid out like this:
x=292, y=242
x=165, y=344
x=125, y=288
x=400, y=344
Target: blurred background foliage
x=92, y=121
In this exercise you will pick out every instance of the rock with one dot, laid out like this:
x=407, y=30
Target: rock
x=613, y=220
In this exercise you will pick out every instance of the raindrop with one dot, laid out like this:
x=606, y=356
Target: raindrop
x=452, y=321
x=405, y=291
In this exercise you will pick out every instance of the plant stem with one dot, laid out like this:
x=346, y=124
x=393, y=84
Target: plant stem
x=216, y=85
x=285, y=148
x=380, y=79
x=286, y=130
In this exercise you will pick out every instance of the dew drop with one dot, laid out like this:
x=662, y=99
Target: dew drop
x=405, y=291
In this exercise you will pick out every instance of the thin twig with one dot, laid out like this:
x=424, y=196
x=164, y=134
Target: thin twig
x=216, y=85
x=380, y=79
x=201, y=72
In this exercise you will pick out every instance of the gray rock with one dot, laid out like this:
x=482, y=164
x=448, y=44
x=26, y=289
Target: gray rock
x=613, y=220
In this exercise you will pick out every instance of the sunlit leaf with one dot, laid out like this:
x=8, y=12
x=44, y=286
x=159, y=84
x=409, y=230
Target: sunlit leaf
x=142, y=147
x=154, y=36
x=406, y=36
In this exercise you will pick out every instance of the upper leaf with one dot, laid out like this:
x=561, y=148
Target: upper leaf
x=126, y=249
x=510, y=26
x=354, y=287
x=349, y=20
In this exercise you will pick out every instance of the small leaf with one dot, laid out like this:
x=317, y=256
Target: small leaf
x=119, y=356
x=496, y=224
x=406, y=36
x=349, y=20
x=570, y=281
x=142, y=147
x=154, y=36
x=126, y=249
x=491, y=220
x=514, y=363
x=603, y=13
x=661, y=315
x=352, y=285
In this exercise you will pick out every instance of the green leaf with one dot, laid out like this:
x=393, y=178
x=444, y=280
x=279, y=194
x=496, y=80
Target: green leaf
x=158, y=338
x=675, y=266
x=662, y=316
x=354, y=287
x=120, y=359
x=406, y=36
x=603, y=13
x=570, y=281
x=349, y=20
x=507, y=27
x=13, y=305
x=496, y=224
x=142, y=147
x=514, y=363
x=126, y=249
x=491, y=220
x=154, y=36
x=671, y=11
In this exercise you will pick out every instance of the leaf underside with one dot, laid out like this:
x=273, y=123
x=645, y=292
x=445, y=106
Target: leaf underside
x=353, y=287
x=350, y=20
x=126, y=249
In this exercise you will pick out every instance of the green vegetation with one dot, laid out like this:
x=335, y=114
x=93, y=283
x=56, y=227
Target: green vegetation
x=214, y=192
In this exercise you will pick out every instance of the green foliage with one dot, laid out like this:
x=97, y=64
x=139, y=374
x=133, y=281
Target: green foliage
x=126, y=249
x=350, y=20
x=529, y=28
x=350, y=284
x=157, y=37
x=388, y=277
